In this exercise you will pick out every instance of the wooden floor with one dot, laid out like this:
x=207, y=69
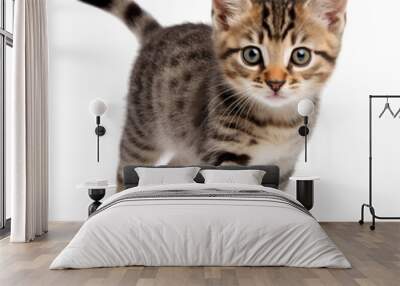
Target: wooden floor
x=375, y=257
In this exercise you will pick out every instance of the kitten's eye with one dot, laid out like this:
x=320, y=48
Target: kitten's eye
x=252, y=56
x=301, y=57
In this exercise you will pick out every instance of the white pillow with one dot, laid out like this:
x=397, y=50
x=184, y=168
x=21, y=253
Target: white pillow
x=166, y=176
x=241, y=177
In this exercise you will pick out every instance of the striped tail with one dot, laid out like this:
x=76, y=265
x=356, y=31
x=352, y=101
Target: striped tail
x=138, y=21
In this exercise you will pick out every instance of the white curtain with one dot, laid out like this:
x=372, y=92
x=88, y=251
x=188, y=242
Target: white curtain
x=28, y=159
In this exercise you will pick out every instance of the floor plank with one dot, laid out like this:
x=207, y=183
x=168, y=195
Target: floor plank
x=375, y=257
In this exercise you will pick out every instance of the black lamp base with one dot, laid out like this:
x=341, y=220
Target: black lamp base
x=304, y=131
x=100, y=131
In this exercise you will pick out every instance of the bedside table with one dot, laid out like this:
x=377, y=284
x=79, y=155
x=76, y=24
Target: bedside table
x=96, y=193
x=305, y=190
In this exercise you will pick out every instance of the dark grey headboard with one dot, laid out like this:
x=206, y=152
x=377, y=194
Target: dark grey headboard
x=271, y=178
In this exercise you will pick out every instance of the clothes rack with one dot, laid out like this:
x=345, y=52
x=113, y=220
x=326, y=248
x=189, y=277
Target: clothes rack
x=370, y=205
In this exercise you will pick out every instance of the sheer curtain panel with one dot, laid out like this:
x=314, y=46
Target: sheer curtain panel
x=28, y=121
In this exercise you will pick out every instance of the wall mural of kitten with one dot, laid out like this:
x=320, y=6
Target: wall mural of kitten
x=227, y=93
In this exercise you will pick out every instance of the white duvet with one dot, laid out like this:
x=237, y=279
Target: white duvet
x=200, y=232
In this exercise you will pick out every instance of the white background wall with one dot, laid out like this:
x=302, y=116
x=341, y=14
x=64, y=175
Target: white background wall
x=91, y=55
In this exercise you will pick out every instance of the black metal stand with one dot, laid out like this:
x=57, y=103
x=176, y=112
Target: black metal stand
x=100, y=131
x=96, y=195
x=370, y=204
x=305, y=131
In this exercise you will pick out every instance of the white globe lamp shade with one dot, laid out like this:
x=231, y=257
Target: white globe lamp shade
x=97, y=107
x=305, y=107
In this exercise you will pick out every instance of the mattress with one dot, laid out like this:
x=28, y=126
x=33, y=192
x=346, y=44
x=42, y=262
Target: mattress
x=201, y=225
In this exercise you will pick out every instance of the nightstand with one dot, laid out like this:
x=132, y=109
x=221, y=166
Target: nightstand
x=305, y=190
x=96, y=193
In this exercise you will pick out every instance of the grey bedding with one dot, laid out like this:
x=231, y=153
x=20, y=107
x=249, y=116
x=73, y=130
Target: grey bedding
x=206, y=194
x=201, y=225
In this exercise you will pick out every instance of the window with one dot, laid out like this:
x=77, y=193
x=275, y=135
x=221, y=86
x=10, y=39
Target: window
x=6, y=44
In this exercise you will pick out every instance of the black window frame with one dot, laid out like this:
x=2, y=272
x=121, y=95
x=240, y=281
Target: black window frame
x=6, y=39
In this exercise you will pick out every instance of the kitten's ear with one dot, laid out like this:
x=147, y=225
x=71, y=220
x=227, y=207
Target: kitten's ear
x=227, y=12
x=331, y=13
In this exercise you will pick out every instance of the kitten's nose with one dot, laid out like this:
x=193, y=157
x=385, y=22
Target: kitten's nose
x=276, y=85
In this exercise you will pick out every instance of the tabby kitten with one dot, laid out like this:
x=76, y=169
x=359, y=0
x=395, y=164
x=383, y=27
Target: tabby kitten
x=227, y=94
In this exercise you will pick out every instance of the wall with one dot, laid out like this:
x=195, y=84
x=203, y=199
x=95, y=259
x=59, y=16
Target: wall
x=91, y=55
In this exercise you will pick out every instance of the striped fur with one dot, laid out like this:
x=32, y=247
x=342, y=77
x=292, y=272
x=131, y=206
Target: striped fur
x=192, y=94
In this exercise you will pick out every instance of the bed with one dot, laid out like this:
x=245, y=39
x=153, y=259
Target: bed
x=201, y=224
